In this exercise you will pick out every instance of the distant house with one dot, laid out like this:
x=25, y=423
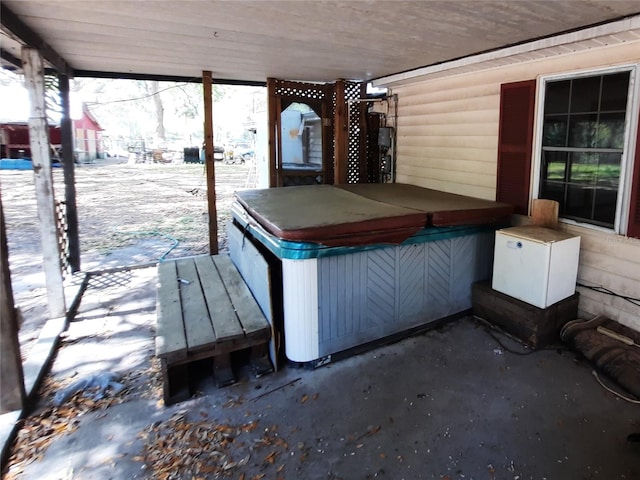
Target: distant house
x=87, y=137
x=87, y=144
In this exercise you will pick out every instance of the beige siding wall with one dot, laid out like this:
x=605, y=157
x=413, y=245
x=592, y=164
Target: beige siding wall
x=447, y=137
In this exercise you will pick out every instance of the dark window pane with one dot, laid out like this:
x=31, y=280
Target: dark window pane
x=610, y=131
x=554, y=133
x=552, y=191
x=609, y=170
x=585, y=93
x=582, y=131
x=615, y=89
x=604, y=211
x=584, y=182
x=584, y=168
x=579, y=201
x=554, y=166
x=556, y=98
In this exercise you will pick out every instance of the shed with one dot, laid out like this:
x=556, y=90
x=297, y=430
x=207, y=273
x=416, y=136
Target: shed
x=87, y=138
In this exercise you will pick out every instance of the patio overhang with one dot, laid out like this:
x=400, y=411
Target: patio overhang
x=251, y=41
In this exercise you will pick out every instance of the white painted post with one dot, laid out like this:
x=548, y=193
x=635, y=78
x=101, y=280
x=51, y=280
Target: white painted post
x=43, y=179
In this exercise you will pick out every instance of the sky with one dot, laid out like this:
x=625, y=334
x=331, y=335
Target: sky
x=15, y=104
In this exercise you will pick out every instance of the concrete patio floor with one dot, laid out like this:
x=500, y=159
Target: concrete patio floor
x=447, y=404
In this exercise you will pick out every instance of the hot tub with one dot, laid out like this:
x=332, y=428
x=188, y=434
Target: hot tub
x=358, y=264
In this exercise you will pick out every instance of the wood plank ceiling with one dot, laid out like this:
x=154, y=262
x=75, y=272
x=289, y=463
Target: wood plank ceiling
x=303, y=40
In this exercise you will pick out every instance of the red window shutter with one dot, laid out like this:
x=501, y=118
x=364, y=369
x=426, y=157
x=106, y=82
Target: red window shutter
x=515, y=143
x=633, y=229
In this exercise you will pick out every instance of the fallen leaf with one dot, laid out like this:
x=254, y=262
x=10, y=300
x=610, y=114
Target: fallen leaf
x=271, y=458
x=373, y=431
x=250, y=427
x=304, y=399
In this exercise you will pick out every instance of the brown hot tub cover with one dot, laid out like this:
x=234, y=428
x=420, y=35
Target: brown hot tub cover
x=362, y=214
x=443, y=209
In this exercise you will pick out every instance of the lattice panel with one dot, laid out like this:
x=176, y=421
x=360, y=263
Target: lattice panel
x=299, y=90
x=63, y=235
x=354, y=149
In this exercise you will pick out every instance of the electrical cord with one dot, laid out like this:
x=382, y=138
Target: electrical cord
x=148, y=95
x=606, y=291
x=488, y=327
x=617, y=394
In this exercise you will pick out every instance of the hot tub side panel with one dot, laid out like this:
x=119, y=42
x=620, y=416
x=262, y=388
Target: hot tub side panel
x=366, y=296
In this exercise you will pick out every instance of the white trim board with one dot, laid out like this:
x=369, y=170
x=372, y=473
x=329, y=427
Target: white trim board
x=601, y=35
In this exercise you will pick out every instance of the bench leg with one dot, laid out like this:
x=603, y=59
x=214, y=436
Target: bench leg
x=222, y=370
x=260, y=362
x=175, y=382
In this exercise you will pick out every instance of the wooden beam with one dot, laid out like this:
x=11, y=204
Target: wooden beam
x=341, y=134
x=209, y=162
x=362, y=113
x=12, y=394
x=21, y=30
x=43, y=179
x=272, y=102
x=8, y=57
x=69, y=175
x=163, y=78
x=327, y=137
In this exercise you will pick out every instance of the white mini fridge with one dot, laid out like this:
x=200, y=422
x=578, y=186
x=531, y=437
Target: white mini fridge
x=536, y=265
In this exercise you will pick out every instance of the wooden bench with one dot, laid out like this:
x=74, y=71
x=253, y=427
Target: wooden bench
x=206, y=310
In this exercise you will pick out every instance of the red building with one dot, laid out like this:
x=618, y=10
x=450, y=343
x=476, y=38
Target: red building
x=14, y=139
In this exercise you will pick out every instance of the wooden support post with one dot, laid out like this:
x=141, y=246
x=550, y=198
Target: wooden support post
x=43, y=179
x=223, y=370
x=363, y=173
x=69, y=175
x=327, y=135
x=272, y=102
x=12, y=394
x=209, y=162
x=341, y=135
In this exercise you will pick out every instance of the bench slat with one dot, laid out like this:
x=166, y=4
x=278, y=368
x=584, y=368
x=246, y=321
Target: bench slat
x=248, y=311
x=197, y=325
x=225, y=322
x=170, y=337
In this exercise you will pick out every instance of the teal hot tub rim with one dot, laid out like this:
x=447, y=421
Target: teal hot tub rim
x=286, y=249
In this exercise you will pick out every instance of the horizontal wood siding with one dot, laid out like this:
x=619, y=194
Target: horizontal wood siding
x=611, y=261
x=447, y=139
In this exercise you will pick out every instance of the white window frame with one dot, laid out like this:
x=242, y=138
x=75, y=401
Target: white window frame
x=626, y=163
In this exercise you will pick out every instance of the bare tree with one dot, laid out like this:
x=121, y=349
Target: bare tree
x=153, y=87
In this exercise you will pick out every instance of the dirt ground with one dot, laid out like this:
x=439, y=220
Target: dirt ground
x=128, y=214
